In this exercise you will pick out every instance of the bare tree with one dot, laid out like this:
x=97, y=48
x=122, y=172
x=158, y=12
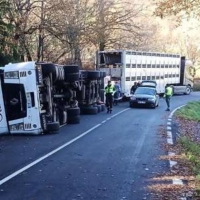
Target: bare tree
x=179, y=8
x=23, y=18
x=112, y=21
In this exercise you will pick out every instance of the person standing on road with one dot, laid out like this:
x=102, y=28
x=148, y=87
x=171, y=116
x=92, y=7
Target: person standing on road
x=117, y=93
x=167, y=95
x=134, y=87
x=109, y=89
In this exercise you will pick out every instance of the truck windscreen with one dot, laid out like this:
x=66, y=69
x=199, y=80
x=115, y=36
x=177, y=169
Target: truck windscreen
x=111, y=58
x=15, y=100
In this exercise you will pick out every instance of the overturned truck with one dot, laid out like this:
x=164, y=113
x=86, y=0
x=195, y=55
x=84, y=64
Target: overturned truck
x=36, y=98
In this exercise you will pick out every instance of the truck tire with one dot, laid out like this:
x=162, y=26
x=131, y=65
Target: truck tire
x=89, y=110
x=102, y=74
x=48, y=68
x=103, y=107
x=53, y=126
x=188, y=90
x=63, y=117
x=72, y=112
x=71, y=69
x=72, y=77
x=93, y=74
x=74, y=120
x=98, y=108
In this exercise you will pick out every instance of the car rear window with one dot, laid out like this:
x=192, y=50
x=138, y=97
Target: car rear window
x=143, y=90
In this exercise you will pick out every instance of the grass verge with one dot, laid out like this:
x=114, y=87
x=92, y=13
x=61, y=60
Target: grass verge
x=191, y=111
x=190, y=147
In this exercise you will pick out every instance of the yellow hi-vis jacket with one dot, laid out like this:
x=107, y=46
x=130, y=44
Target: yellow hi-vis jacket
x=109, y=89
x=168, y=91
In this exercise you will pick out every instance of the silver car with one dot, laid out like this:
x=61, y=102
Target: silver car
x=145, y=95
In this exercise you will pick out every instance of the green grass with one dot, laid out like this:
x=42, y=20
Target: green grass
x=191, y=111
x=192, y=152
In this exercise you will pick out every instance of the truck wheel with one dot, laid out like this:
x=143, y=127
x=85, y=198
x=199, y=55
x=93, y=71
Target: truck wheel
x=93, y=74
x=188, y=90
x=102, y=74
x=89, y=110
x=63, y=118
x=72, y=112
x=53, y=126
x=74, y=120
x=98, y=108
x=48, y=68
x=103, y=107
x=72, y=77
x=71, y=69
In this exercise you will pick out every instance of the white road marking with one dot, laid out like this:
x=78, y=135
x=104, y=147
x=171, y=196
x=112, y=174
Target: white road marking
x=177, y=182
x=170, y=141
x=169, y=134
x=171, y=154
x=172, y=163
x=4, y=180
x=172, y=113
x=169, y=128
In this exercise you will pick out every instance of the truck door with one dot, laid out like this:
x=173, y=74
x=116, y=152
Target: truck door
x=3, y=119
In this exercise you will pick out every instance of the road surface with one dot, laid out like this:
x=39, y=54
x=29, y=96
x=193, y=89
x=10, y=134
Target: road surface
x=106, y=156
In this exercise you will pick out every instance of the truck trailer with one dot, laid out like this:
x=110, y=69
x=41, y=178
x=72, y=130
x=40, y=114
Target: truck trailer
x=131, y=66
x=36, y=98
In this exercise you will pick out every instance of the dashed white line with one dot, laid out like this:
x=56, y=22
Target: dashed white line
x=4, y=180
x=172, y=163
x=169, y=128
x=177, y=182
x=170, y=141
x=169, y=123
x=171, y=153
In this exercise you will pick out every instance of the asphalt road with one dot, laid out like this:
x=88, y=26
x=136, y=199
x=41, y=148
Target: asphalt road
x=107, y=156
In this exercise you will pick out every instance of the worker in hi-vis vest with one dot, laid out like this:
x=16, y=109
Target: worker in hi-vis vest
x=109, y=90
x=167, y=95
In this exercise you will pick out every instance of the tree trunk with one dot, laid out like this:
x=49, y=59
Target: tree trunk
x=77, y=57
x=102, y=46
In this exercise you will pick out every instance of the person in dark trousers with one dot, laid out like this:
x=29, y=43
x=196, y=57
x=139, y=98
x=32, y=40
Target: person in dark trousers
x=134, y=87
x=109, y=89
x=117, y=93
x=167, y=95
